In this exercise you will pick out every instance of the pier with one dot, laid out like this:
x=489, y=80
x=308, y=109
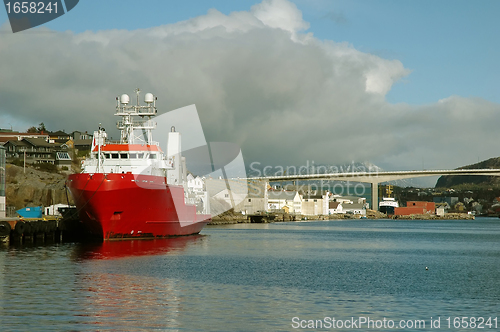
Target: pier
x=38, y=230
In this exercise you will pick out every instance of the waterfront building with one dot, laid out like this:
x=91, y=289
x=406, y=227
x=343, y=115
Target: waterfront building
x=354, y=208
x=429, y=206
x=348, y=199
x=347, y=204
x=440, y=211
x=315, y=204
x=335, y=207
x=290, y=201
x=245, y=196
x=416, y=207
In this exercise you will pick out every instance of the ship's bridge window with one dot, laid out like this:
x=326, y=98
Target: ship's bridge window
x=153, y=156
x=123, y=155
x=107, y=156
x=114, y=155
x=140, y=155
x=132, y=155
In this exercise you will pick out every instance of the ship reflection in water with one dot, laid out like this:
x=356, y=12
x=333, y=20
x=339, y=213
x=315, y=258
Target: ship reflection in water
x=123, y=249
x=116, y=295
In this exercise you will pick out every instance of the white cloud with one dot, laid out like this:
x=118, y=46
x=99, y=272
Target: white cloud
x=280, y=14
x=257, y=77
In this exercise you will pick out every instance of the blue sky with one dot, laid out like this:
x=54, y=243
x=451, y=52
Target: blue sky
x=400, y=84
x=451, y=47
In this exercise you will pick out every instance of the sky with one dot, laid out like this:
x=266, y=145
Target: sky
x=405, y=85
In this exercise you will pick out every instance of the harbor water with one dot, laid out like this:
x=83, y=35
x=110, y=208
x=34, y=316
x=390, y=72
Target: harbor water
x=262, y=277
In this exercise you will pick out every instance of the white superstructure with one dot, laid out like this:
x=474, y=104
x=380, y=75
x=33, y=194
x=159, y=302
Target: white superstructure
x=136, y=152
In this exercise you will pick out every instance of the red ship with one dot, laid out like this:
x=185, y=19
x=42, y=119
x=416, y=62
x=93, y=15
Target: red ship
x=131, y=189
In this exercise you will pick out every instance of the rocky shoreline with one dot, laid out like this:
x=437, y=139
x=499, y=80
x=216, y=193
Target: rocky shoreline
x=32, y=187
x=229, y=218
x=447, y=216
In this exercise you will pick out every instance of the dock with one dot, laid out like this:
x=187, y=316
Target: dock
x=38, y=230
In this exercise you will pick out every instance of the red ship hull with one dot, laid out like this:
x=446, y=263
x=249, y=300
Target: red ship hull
x=128, y=206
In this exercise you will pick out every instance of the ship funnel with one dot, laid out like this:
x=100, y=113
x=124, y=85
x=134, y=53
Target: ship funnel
x=124, y=99
x=174, y=176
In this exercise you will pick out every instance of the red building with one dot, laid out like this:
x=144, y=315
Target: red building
x=416, y=207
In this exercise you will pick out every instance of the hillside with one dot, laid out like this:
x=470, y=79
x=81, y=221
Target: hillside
x=34, y=188
x=450, y=181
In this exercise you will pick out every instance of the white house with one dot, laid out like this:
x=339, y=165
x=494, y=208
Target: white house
x=347, y=204
x=196, y=184
x=290, y=201
x=354, y=208
x=335, y=207
x=348, y=199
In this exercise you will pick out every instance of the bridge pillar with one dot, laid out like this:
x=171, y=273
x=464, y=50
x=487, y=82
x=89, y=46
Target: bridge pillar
x=375, y=196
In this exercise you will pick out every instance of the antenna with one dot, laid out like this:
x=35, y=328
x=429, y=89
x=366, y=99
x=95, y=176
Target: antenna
x=137, y=91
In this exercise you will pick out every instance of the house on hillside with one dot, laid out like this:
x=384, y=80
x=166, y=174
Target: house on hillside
x=451, y=200
x=82, y=141
x=37, y=150
x=76, y=135
x=62, y=159
x=15, y=136
x=59, y=137
x=82, y=144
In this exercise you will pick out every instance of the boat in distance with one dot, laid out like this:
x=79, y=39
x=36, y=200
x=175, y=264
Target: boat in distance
x=388, y=204
x=132, y=189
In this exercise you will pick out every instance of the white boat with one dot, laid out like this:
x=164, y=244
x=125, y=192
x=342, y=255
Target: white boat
x=387, y=205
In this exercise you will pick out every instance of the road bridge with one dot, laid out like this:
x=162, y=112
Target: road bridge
x=374, y=178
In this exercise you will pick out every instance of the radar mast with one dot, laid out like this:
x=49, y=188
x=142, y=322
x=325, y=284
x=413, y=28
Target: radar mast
x=136, y=130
